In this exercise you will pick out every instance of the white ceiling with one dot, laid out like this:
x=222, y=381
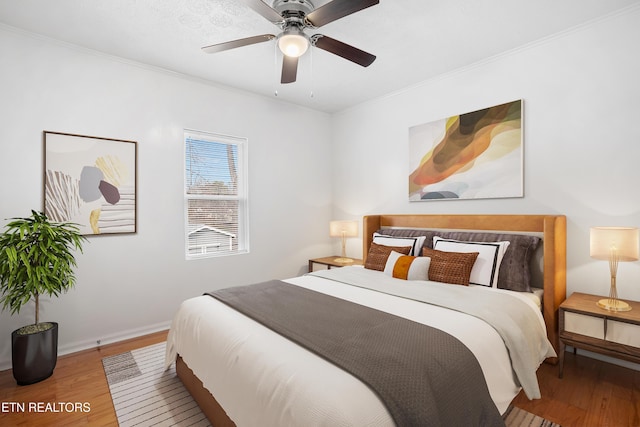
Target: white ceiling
x=414, y=40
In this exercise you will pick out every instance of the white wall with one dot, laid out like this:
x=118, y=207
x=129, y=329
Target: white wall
x=129, y=285
x=581, y=92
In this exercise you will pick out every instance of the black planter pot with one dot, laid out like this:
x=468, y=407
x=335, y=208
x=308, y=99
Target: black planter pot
x=34, y=356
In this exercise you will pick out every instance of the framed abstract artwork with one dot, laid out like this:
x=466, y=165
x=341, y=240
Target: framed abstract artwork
x=91, y=181
x=476, y=155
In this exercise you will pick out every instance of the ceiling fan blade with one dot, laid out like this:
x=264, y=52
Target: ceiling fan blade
x=238, y=43
x=337, y=9
x=267, y=12
x=289, y=69
x=344, y=50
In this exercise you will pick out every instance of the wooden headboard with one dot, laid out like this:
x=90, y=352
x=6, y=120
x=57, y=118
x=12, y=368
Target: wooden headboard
x=554, y=240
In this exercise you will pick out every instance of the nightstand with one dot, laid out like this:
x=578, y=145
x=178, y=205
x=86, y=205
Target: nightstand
x=585, y=325
x=330, y=261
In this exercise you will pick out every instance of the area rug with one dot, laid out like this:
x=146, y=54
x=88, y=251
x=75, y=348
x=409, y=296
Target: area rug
x=144, y=394
x=516, y=417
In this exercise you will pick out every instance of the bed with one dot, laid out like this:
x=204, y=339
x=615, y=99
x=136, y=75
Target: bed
x=241, y=372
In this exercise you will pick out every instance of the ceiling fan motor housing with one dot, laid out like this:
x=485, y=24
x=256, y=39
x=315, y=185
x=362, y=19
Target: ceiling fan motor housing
x=294, y=6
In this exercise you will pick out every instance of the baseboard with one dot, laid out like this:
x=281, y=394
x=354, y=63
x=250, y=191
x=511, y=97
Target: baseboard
x=104, y=340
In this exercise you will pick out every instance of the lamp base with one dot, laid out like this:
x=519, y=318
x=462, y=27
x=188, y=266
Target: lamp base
x=343, y=260
x=613, y=304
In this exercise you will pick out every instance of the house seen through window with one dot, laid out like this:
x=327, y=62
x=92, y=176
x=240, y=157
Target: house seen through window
x=215, y=198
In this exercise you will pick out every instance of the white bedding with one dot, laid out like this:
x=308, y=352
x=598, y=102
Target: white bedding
x=262, y=379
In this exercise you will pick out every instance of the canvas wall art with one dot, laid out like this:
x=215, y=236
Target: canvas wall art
x=90, y=181
x=476, y=155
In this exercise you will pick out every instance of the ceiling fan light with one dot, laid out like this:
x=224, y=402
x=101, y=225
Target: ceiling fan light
x=293, y=45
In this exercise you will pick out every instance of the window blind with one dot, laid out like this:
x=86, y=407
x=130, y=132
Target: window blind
x=215, y=195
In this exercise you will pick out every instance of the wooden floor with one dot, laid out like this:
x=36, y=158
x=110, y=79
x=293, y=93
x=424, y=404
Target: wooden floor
x=591, y=394
x=78, y=378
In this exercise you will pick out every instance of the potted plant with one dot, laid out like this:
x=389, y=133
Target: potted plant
x=36, y=258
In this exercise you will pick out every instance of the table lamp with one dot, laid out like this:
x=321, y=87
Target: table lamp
x=614, y=244
x=343, y=229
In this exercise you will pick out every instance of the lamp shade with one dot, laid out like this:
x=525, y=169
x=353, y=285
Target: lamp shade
x=343, y=229
x=623, y=241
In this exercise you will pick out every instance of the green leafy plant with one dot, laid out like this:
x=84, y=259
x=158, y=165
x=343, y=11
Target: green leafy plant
x=36, y=258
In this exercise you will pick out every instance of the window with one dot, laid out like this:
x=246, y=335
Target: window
x=215, y=198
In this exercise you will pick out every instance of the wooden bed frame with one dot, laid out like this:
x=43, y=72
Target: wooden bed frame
x=552, y=227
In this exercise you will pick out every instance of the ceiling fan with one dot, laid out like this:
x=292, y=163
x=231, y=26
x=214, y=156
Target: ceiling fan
x=295, y=16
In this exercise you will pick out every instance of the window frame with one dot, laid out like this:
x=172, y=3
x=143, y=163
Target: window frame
x=242, y=192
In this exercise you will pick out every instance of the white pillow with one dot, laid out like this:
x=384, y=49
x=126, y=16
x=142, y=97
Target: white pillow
x=415, y=242
x=487, y=265
x=407, y=267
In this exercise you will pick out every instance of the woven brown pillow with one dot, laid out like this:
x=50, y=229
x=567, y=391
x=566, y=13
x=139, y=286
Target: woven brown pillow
x=450, y=267
x=378, y=254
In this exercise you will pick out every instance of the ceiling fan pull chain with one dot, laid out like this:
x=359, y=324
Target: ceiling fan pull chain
x=275, y=69
x=311, y=72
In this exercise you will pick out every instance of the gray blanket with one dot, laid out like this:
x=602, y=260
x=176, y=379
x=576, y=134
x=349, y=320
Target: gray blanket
x=520, y=327
x=425, y=377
